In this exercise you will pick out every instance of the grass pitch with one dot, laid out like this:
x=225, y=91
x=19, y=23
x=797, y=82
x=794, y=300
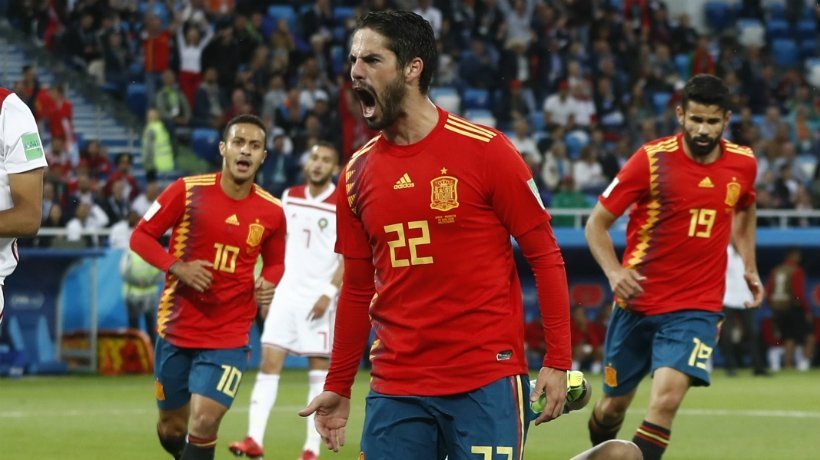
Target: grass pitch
x=91, y=417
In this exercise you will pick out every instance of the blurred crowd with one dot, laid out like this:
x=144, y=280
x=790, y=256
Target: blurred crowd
x=577, y=85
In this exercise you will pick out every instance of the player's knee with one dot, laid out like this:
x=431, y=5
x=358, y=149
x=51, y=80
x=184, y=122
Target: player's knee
x=619, y=449
x=170, y=426
x=611, y=410
x=666, y=403
x=205, y=424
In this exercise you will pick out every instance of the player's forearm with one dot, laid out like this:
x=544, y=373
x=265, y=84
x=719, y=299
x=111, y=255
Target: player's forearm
x=352, y=325
x=150, y=250
x=542, y=253
x=601, y=246
x=743, y=236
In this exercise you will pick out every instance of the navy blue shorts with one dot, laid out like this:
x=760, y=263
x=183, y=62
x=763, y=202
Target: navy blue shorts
x=213, y=373
x=487, y=423
x=638, y=344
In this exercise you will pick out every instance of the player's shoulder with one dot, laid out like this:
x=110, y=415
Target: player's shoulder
x=363, y=150
x=264, y=195
x=199, y=180
x=464, y=130
x=668, y=144
x=738, y=151
x=15, y=110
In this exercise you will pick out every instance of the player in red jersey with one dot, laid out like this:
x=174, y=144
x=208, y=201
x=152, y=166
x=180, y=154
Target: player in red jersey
x=425, y=214
x=691, y=193
x=221, y=224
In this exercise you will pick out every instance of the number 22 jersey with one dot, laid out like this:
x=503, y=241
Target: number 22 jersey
x=435, y=217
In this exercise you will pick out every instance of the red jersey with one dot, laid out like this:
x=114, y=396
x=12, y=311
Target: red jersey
x=435, y=217
x=680, y=225
x=209, y=225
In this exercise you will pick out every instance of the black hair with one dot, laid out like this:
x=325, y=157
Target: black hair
x=409, y=36
x=328, y=145
x=707, y=90
x=246, y=118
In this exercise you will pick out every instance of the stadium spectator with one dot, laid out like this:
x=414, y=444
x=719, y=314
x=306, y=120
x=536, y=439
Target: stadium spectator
x=281, y=167
x=124, y=166
x=209, y=101
x=652, y=294
x=88, y=219
x=222, y=54
x=95, y=155
x=157, y=146
x=60, y=113
x=117, y=60
x=740, y=332
x=791, y=313
x=117, y=204
x=172, y=106
x=556, y=165
x=143, y=201
x=587, y=172
x=156, y=49
x=192, y=38
x=140, y=288
x=587, y=341
x=28, y=89
x=80, y=42
x=567, y=197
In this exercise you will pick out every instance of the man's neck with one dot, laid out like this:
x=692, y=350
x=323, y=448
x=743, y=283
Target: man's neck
x=235, y=190
x=317, y=189
x=419, y=119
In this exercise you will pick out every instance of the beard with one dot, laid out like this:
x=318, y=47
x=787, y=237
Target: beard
x=391, y=105
x=699, y=150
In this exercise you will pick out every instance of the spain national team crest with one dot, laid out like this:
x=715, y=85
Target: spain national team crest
x=444, y=193
x=732, y=192
x=255, y=232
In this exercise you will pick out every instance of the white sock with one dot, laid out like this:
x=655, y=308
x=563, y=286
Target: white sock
x=316, y=383
x=263, y=397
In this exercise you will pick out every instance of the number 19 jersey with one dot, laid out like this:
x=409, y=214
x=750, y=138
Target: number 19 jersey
x=681, y=221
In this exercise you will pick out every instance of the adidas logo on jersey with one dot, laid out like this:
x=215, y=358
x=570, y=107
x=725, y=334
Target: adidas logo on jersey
x=232, y=220
x=706, y=183
x=404, y=182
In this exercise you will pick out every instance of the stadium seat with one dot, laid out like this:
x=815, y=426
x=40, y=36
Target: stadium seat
x=785, y=53
x=777, y=10
x=776, y=29
x=341, y=14
x=718, y=15
x=808, y=48
x=446, y=97
x=284, y=12
x=205, y=144
x=660, y=101
x=480, y=116
x=807, y=29
x=574, y=143
x=750, y=32
x=337, y=59
x=537, y=120
x=475, y=98
x=268, y=26
x=683, y=64
x=136, y=99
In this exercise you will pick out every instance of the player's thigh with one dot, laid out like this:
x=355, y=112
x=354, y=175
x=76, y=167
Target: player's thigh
x=315, y=336
x=216, y=374
x=280, y=323
x=487, y=423
x=172, y=368
x=628, y=338
x=685, y=341
x=399, y=427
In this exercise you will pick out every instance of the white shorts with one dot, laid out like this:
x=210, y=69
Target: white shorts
x=287, y=326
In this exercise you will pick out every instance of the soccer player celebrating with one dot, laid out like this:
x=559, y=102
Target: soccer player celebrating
x=300, y=317
x=691, y=193
x=425, y=214
x=22, y=164
x=221, y=224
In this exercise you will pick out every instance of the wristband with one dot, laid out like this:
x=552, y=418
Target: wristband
x=330, y=291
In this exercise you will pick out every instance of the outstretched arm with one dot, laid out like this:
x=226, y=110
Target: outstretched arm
x=624, y=282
